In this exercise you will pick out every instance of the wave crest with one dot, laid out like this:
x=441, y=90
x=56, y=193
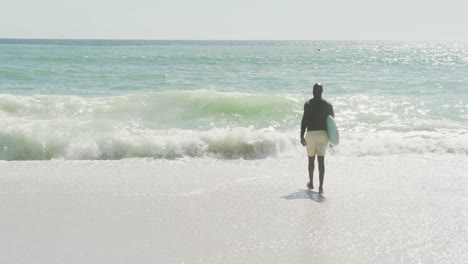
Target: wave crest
x=219, y=143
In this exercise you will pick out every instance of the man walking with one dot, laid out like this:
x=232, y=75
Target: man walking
x=314, y=120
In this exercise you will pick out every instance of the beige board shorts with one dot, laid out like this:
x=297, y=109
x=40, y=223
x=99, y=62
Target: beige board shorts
x=317, y=142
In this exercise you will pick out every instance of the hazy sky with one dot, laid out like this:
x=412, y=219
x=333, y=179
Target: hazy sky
x=235, y=19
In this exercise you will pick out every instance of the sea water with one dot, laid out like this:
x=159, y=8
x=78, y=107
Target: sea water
x=116, y=99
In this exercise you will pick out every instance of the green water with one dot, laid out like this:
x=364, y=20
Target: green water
x=97, y=99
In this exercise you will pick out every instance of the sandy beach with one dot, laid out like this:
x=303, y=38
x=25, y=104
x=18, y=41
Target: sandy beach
x=392, y=209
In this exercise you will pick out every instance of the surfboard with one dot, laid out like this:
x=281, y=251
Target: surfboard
x=332, y=130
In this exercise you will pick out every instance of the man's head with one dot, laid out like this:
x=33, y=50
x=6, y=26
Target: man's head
x=318, y=89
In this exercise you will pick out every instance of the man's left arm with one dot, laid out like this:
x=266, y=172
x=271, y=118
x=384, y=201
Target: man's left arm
x=303, y=125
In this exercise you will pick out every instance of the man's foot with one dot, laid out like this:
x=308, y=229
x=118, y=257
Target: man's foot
x=310, y=186
x=320, y=190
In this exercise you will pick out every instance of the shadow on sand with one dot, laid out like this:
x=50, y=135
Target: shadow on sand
x=306, y=194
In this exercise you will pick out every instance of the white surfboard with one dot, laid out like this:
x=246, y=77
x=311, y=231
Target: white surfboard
x=332, y=131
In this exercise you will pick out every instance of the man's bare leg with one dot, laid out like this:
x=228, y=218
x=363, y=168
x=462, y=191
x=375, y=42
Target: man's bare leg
x=321, y=163
x=310, y=185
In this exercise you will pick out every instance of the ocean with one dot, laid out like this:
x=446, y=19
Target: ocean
x=117, y=151
x=162, y=99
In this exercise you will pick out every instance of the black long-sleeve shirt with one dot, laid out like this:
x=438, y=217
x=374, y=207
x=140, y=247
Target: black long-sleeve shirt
x=315, y=115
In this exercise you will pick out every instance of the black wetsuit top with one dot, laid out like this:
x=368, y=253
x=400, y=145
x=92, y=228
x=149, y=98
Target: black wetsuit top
x=315, y=115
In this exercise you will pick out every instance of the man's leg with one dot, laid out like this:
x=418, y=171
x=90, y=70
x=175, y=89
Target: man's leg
x=310, y=185
x=321, y=163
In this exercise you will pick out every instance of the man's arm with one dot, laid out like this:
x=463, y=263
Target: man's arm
x=304, y=124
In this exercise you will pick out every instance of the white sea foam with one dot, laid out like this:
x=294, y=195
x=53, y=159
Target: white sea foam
x=223, y=125
x=87, y=141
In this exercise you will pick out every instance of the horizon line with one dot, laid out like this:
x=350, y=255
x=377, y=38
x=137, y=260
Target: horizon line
x=200, y=39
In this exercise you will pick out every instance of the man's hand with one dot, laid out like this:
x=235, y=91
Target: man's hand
x=303, y=141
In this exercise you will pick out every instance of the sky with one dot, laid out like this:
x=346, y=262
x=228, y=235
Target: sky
x=236, y=19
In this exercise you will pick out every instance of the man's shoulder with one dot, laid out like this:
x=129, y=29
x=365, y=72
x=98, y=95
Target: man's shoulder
x=319, y=102
x=327, y=103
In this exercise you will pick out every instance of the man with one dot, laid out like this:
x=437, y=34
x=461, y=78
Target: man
x=314, y=120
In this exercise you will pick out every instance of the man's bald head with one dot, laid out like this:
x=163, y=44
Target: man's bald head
x=318, y=89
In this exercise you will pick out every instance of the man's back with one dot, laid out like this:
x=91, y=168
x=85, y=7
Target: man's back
x=316, y=111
